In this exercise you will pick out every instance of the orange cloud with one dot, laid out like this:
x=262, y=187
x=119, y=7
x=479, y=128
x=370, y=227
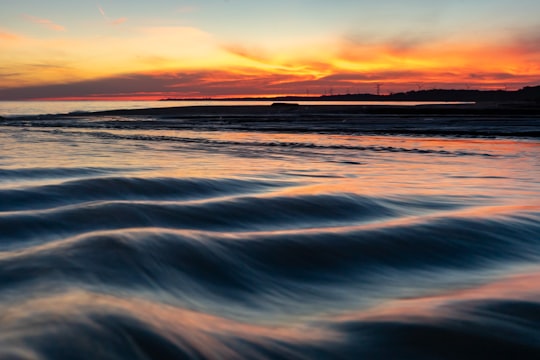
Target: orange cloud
x=150, y=49
x=45, y=22
x=177, y=61
x=119, y=21
x=8, y=36
x=442, y=62
x=256, y=55
x=111, y=21
x=252, y=82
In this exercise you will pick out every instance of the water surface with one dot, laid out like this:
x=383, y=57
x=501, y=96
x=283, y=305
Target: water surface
x=141, y=242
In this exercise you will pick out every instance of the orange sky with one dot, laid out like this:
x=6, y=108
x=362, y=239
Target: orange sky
x=236, y=48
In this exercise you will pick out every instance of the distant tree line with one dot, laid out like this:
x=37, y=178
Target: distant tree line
x=529, y=94
x=526, y=94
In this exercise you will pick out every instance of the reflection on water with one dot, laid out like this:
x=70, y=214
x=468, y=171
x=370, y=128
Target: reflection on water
x=130, y=243
x=18, y=108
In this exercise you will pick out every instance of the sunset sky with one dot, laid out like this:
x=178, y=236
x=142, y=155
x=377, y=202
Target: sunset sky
x=126, y=49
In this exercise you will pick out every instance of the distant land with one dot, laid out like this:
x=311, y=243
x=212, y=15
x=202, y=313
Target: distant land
x=526, y=94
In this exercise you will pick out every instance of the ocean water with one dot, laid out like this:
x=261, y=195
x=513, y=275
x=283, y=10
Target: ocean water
x=21, y=108
x=131, y=238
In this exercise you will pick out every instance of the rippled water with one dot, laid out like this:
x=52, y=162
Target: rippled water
x=23, y=108
x=138, y=242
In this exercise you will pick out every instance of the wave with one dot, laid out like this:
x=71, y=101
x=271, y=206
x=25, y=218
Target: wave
x=121, y=331
x=130, y=243
x=132, y=293
x=319, y=121
x=124, y=188
x=195, y=204
x=165, y=332
x=205, y=250
x=51, y=173
x=208, y=144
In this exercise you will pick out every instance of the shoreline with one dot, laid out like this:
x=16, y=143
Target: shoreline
x=465, y=120
x=292, y=108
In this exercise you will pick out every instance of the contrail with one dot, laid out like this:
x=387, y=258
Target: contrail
x=102, y=12
x=107, y=19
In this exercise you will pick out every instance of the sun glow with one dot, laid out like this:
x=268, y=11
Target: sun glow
x=126, y=58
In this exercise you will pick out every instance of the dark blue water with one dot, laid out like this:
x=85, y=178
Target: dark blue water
x=124, y=240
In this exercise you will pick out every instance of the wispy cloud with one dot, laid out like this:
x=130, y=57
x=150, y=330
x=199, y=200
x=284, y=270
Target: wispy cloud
x=527, y=40
x=117, y=21
x=45, y=22
x=7, y=36
x=253, y=54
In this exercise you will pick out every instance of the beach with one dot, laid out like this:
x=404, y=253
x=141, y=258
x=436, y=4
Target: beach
x=271, y=232
x=485, y=119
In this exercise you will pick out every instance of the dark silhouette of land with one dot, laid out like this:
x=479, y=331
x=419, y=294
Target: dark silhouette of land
x=489, y=119
x=470, y=113
x=527, y=94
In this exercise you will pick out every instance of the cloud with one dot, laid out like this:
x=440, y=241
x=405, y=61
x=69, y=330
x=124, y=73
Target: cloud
x=45, y=22
x=409, y=42
x=527, y=40
x=118, y=21
x=109, y=20
x=374, y=48
x=236, y=82
x=161, y=85
x=102, y=12
x=180, y=61
x=8, y=36
x=253, y=54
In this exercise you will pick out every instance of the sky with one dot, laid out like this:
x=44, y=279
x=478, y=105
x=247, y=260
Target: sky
x=128, y=49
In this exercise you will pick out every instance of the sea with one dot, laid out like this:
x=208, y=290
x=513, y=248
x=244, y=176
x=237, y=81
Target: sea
x=129, y=237
x=21, y=108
